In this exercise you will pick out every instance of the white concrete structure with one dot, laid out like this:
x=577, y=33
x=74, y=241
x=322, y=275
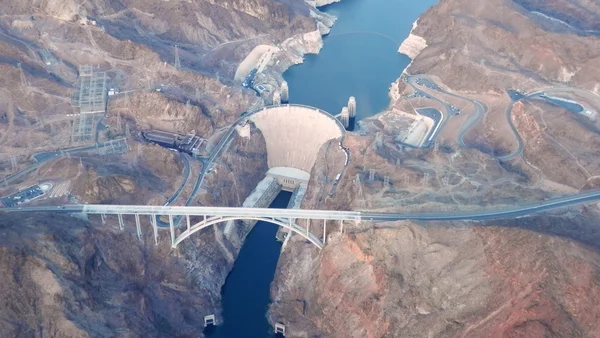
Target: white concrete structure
x=289, y=178
x=345, y=117
x=352, y=107
x=294, y=134
x=285, y=92
x=276, y=98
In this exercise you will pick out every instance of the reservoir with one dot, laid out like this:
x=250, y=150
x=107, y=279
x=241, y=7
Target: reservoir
x=359, y=58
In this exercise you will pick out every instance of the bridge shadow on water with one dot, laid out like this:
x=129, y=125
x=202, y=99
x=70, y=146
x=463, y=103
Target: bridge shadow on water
x=246, y=293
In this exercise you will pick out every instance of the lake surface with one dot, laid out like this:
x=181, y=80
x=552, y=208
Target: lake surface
x=359, y=58
x=246, y=293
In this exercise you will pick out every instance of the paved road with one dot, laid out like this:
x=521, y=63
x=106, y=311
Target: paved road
x=439, y=123
x=514, y=212
x=186, y=175
x=480, y=110
x=45, y=157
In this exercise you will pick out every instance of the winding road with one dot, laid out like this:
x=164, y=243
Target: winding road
x=481, y=109
x=45, y=157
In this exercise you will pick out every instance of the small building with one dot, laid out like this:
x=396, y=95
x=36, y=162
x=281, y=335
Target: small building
x=189, y=144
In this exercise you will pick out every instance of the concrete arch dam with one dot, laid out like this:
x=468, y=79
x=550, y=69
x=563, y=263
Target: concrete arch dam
x=294, y=134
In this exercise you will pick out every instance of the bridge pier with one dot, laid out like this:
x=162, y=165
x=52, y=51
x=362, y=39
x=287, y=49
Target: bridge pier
x=121, y=225
x=172, y=228
x=307, y=227
x=342, y=227
x=154, y=228
x=103, y=217
x=187, y=219
x=138, y=227
x=324, y=231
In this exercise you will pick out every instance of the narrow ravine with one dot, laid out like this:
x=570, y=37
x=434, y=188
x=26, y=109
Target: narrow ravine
x=246, y=294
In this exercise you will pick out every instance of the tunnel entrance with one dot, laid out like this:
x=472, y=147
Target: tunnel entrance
x=246, y=293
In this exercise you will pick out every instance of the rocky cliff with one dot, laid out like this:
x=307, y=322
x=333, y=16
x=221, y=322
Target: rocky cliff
x=529, y=277
x=68, y=277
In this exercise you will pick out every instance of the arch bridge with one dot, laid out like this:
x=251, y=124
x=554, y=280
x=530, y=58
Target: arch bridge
x=198, y=218
x=287, y=217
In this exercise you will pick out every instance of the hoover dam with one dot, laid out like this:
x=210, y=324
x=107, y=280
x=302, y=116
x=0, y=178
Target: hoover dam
x=294, y=134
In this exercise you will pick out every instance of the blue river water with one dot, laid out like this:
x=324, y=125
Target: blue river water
x=359, y=57
x=246, y=293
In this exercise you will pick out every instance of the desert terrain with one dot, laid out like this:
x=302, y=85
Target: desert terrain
x=177, y=66
x=535, y=276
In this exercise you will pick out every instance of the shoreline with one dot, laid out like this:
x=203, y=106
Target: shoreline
x=275, y=59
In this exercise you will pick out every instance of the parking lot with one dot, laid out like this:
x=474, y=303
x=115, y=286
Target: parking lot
x=23, y=196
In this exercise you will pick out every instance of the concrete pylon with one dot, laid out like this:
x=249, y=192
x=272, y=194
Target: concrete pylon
x=154, y=228
x=352, y=107
x=324, y=231
x=345, y=117
x=172, y=228
x=138, y=227
x=276, y=98
x=285, y=93
x=121, y=223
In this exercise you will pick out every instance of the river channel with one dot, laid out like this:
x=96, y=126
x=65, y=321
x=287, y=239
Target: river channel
x=246, y=291
x=360, y=59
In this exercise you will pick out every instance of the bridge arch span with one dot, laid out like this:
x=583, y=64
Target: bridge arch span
x=282, y=222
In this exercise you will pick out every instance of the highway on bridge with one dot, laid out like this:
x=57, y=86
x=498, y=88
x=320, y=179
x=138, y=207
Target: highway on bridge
x=478, y=215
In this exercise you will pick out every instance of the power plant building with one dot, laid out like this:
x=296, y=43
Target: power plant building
x=184, y=143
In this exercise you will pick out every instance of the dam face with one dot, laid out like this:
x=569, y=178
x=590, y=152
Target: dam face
x=294, y=134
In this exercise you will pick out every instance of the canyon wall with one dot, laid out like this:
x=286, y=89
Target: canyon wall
x=533, y=276
x=74, y=278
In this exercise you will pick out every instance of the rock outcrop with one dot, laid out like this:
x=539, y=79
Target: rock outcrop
x=413, y=45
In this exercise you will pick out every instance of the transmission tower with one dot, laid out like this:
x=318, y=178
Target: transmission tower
x=371, y=175
x=177, y=61
x=386, y=180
